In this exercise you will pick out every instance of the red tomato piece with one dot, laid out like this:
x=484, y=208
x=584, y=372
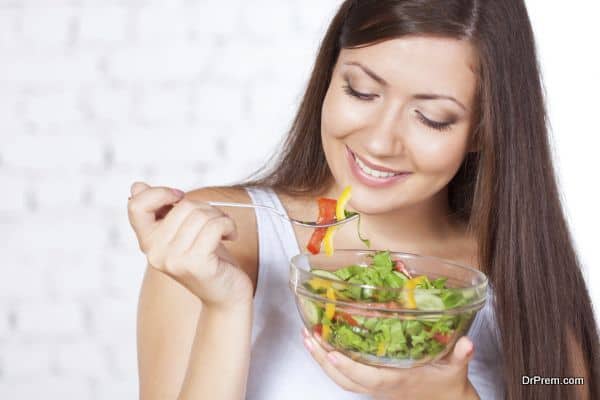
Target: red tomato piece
x=442, y=338
x=318, y=329
x=326, y=209
x=326, y=215
x=346, y=317
x=400, y=267
x=314, y=244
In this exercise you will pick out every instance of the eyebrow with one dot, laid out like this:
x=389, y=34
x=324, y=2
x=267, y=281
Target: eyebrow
x=418, y=96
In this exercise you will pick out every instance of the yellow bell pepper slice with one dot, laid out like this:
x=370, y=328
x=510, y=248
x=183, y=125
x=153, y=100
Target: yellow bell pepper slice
x=318, y=284
x=342, y=202
x=330, y=307
x=326, y=332
x=410, y=294
x=328, y=240
x=340, y=214
x=412, y=283
x=381, y=349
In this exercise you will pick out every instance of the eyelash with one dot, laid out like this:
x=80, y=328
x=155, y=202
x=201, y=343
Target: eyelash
x=361, y=96
x=439, y=126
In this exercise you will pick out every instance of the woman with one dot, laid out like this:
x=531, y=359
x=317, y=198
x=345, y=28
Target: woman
x=432, y=110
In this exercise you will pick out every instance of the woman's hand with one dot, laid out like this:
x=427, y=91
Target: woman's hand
x=187, y=244
x=444, y=379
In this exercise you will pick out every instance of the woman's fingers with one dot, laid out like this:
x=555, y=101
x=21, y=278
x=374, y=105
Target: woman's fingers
x=143, y=205
x=138, y=187
x=320, y=356
x=462, y=353
x=184, y=209
x=189, y=228
x=380, y=382
x=368, y=377
x=186, y=244
x=211, y=234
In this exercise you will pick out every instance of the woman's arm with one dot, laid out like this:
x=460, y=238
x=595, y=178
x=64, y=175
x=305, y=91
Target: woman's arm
x=218, y=365
x=167, y=318
x=174, y=324
x=187, y=350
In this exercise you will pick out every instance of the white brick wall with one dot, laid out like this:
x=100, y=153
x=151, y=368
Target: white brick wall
x=97, y=94
x=93, y=96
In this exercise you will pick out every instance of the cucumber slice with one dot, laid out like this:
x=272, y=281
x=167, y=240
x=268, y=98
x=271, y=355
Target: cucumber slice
x=325, y=274
x=331, y=276
x=367, y=293
x=311, y=311
x=315, y=286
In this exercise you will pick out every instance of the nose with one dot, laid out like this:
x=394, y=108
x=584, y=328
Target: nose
x=386, y=138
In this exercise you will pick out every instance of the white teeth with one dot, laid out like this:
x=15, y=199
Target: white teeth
x=373, y=172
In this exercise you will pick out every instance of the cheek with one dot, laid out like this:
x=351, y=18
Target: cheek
x=339, y=115
x=438, y=153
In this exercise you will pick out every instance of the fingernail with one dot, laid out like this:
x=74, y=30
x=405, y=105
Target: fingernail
x=332, y=358
x=178, y=192
x=470, y=352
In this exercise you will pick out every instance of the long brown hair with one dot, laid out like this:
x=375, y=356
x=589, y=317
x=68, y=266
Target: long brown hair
x=506, y=191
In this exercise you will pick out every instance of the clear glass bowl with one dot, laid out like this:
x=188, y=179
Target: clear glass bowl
x=391, y=327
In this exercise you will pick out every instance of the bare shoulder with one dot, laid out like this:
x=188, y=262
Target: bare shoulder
x=245, y=248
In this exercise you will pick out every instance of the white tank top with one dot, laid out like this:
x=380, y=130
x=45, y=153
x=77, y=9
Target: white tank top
x=280, y=366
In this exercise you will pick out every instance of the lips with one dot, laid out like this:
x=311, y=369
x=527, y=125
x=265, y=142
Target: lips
x=375, y=166
x=375, y=178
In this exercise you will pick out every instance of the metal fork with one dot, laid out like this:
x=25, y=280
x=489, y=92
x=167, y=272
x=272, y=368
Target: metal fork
x=308, y=224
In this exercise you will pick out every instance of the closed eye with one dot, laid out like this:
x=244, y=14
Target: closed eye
x=440, y=126
x=354, y=93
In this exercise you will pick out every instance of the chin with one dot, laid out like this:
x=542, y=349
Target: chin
x=369, y=203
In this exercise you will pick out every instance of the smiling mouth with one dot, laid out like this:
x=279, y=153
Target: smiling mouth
x=372, y=170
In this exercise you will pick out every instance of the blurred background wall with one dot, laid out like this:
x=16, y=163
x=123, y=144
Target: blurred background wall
x=97, y=94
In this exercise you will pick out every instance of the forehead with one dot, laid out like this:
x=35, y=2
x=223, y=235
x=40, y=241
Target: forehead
x=421, y=64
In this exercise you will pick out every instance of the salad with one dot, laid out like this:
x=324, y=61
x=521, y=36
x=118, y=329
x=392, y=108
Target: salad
x=331, y=210
x=384, y=333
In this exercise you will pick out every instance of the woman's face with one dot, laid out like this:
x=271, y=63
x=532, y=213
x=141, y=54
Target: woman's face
x=396, y=119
